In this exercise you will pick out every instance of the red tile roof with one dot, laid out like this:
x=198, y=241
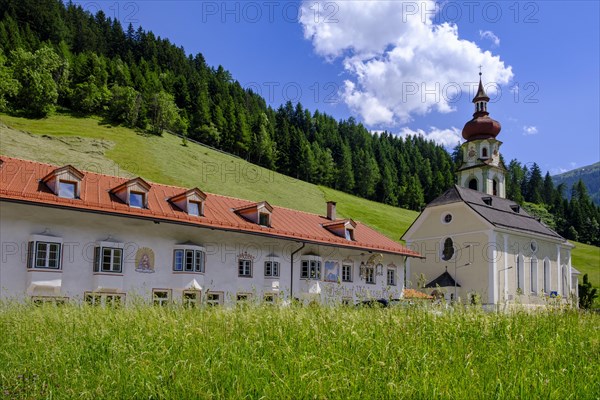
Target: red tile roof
x=20, y=180
x=415, y=294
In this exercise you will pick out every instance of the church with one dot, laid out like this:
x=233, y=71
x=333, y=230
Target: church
x=478, y=246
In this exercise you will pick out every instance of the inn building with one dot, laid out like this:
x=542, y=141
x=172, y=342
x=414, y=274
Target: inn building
x=71, y=235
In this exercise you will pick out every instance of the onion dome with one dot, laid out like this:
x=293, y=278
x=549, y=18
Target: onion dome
x=481, y=126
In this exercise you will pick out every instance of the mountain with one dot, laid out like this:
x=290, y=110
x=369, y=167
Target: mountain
x=590, y=175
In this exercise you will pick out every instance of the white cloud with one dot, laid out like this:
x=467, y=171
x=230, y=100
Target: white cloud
x=530, y=130
x=400, y=62
x=490, y=36
x=447, y=138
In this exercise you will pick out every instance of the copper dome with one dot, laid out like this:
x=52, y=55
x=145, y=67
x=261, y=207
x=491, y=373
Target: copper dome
x=481, y=127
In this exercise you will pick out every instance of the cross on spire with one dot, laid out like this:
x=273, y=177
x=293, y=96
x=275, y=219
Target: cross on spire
x=480, y=66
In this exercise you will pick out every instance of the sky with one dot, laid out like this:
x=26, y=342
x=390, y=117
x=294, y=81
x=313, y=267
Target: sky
x=408, y=67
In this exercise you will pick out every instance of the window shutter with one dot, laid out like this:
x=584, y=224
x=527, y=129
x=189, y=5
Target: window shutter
x=30, y=254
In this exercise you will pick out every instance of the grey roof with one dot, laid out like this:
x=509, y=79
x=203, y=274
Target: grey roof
x=444, y=280
x=499, y=213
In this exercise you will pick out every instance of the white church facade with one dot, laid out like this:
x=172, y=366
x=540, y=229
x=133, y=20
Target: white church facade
x=70, y=235
x=480, y=247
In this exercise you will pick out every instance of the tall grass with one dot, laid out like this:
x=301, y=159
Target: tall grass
x=295, y=353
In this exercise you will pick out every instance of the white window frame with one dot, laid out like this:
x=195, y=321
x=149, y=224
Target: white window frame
x=370, y=275
x=199, y=206
x=104, y=299
x=99, y=254
x=49, y=263
x=310, y=268
x=61, y=192
x=270, y=298
x=161, y=297
x=245, y=268
x=214, y=299
x=347, y=272
x=391, y=273
x=191, y=298
x=183, y=254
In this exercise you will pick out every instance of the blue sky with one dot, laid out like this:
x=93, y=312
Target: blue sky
x=408, y=66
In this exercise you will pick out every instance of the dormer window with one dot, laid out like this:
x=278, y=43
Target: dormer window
x=264, y=219
x=67, y=189
x=133, y=193
x=136, y=199
x=191, y=201
x=64, y=182
x=487, y=200
x=259, y=213
x=516, y=208
x=343, y=228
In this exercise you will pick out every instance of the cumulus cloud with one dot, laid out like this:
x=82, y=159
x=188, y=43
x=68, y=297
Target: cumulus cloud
x=530, y=130
x=448, y=138
x=490, y=36
x=399, y=61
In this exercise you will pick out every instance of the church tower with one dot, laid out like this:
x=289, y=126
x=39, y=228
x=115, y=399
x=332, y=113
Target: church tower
x=481, y=167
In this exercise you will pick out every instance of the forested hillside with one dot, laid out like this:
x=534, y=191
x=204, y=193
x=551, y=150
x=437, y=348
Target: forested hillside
x=60, y=55
x=56, y=55
x=590, y=175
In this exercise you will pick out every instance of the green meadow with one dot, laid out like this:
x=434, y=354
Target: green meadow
x=89, y=144
x=269, y=352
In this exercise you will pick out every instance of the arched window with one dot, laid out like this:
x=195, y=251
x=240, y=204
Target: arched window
x=546, y=276
x=495, y=187
x=533, y=274
x=520, y=273
x=484, y=152
x=473, y=184
x=448, y=249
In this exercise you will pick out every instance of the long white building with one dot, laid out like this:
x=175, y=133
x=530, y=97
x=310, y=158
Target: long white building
x=74, y=235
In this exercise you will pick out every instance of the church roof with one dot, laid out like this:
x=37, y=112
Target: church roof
x=500, y=212
x=20, y=181
x=444, y=280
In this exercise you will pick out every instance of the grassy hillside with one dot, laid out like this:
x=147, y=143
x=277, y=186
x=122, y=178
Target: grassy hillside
x=88, y=144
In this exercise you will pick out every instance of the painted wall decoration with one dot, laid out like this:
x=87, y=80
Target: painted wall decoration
x=332, y=271
x=144, y=260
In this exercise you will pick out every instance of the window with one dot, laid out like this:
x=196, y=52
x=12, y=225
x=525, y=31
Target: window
x=546, y=276
x=473, y=184
x=515, y=208
x=191, y=298
x=44, y=255
x=67, y=189
x=533, y=246
x=349, y=234
x=565, y=281
x=194, y=208
x=271, y=269
x=448, y=251
x=269, y=298
x=370, y=275
x=311, y=269
x=487, y=200
x=495, y=187
x=42, y=300
x=136, y=199
x=484, y=152
x=104, y=299
x=263, y=219
x=520, y=273
x=214, y=299
x=391, y=277
x=186, y=260
x=245, y=268
x=161, y=297
x=243, y=297
x=346, y=273
x=108, y=259
x=447, y=218
x=533, y=275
